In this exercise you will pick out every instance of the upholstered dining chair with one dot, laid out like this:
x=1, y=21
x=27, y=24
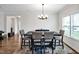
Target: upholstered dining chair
x=48, y=36
x=36, y=41
x=25, y=41
x=59, y=39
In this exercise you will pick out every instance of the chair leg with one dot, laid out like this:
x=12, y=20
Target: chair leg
x=32, y=46
x=52, y=46
x=44, y=49
x=59, y=42
x=24, y=43
x=62, y=45
x=21, y=44
x=29, y=44
x=55, y=44
x=44, y=46
x=32, y=50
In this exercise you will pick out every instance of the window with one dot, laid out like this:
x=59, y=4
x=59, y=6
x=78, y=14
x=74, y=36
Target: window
x=75, y=26
x=70, y=24
x=66, y=25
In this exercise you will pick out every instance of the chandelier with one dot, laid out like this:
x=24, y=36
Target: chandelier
x=43, y=16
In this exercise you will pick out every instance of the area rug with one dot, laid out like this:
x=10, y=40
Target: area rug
x=58, y=50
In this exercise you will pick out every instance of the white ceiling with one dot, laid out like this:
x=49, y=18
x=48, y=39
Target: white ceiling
x=31, y=7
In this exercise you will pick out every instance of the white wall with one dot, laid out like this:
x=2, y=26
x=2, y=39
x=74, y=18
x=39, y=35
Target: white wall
x=68, y=10
x=8, y=24
x=30, y=22
x=2, y=22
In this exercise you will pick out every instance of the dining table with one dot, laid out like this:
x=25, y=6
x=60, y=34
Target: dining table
x=29, y=34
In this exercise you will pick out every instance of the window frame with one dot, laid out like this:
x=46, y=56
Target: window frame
x=69, y=25
x=70, y=36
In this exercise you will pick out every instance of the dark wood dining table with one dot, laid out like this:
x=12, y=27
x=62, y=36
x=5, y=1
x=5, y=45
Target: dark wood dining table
x=29, y=34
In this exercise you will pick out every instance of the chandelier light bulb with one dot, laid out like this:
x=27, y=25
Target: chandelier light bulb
x=43, y=16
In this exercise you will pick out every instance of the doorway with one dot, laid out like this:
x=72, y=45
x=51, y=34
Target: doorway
x=13, y=24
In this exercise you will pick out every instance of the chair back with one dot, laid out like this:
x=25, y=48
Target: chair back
x=62, y=32
x=48, y=35
x=22, y=33
x=36, y=35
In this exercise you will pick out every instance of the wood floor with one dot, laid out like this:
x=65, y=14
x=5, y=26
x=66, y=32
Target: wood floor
x=9, y=45
x=12, y=46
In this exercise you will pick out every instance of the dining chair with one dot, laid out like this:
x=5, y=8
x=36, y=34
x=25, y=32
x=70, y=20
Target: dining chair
x=25, y=41
x=36, y=42
x=48, y=38
x=59, y=38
